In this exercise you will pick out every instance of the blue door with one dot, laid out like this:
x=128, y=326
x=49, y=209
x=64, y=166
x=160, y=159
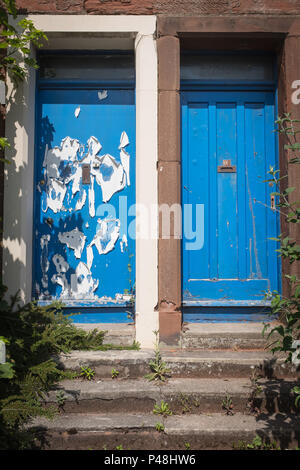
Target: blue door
x=228, y=146
x=84, y=183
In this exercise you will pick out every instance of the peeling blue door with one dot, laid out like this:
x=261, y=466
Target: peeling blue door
x=228, y=145
x=84, y=184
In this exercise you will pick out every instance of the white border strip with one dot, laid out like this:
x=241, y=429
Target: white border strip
x=19, y=176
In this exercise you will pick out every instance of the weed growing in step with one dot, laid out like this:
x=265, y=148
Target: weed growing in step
x=185, y=403
x=227, y=405
x=296, y=391
x=159, y=427
x=187, y=446
x=162, y=409
x=114, y=373
x=159, y=370
x=60, y=399
x=256, y=444
x=255, y=391
x=87, y=373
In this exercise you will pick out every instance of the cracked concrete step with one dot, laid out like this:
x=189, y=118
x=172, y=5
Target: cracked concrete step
x=119, y=334
x=202, y=363
x=138, y=431
x=183, y=395
x=224, y=336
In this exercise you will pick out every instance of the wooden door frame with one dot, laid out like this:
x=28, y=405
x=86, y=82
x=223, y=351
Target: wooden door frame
x=282, y=35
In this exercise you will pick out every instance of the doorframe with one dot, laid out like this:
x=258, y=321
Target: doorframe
x=84, y=32
x=282, y=35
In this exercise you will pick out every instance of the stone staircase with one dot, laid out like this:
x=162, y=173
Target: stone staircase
x=218, y=397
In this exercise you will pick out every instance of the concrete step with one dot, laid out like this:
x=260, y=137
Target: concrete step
x=234, y=336
x=138, y=431
x=201, y=364
x=183, y=395
x=119, y=334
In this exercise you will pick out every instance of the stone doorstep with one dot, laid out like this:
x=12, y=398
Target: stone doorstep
x=115, y=333
x=137, y=431
x=183, y=395
x=193, y=335
x=225, y=336
x=201, y=363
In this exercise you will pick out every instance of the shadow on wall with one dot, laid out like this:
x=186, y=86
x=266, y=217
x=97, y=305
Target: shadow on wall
x=17, y=200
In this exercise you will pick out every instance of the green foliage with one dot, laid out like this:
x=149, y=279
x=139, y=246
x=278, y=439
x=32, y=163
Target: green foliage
x=162, y=409
x=15, y=39
x=158, y=366
x=114, y=373
x=227, y=405
x=34, y=337
x=255, y=391
x=60, y=399
x=296, y=391
x=6, y=371
x=287, y=308
x=256, y=444
x=159, y=427
x=187, y=446
x=87, y=373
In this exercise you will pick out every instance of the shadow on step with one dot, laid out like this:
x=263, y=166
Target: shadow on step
x=283, y=428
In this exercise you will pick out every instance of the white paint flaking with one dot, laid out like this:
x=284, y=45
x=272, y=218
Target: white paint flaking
x=94, y=147
x=59, y=278
x=102, y=95
x=44, y=259
x=76, y=179
x=106, y=236
x=89, y=256
x=75, y=240
x=81, y=202
x=125, y=160
x=77, y=111
x=116, y=180
x=67, y=152
x=92, y=198
x=56, y=191
x=82, y=283
x=123, y=242
x=124, y=140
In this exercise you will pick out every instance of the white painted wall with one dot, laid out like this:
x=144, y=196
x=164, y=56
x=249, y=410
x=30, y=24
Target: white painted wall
x=66, y=31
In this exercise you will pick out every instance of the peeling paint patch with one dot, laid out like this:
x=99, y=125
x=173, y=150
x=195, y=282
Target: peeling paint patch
x=123, y=243
x=60, y=277
x=81, y=202
x=56, y=191
x=74, y=240
x=124, y=140
x=77, y=111
x=92, y=198
x=82, y=282
x=94, y=148
x=76, y=180
x=44, y=259
x=106, y=236
x=89, y=256
x=102, y=94
x=110, y=177
x=125, y=160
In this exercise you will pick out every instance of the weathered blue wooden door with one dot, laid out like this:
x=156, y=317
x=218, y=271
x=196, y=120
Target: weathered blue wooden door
x=84, y=183
x=228, y=146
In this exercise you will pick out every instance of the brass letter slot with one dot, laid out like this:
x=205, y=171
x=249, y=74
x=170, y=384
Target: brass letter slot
x=227, y=167
x=86, y=178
